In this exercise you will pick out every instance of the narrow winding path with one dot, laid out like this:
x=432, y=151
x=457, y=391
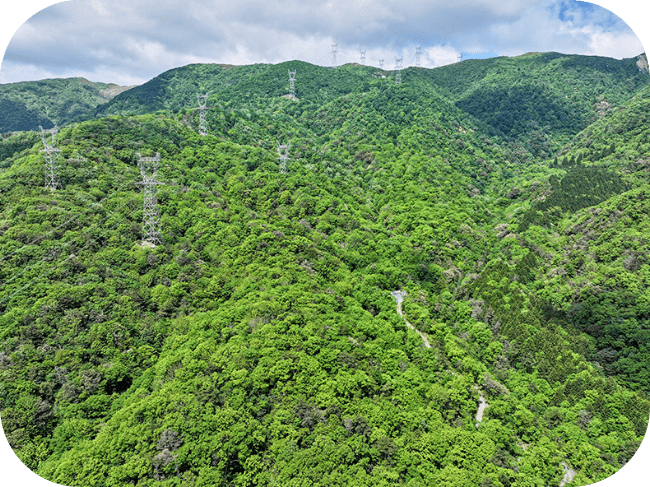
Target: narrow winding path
x=569, y=473
x=482, y=406
x=399, y=297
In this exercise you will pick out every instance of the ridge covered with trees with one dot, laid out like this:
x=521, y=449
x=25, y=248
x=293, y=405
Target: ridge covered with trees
x=260, y=343
x=30, y=104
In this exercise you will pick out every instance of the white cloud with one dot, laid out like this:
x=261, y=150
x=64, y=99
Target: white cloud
x=138, y=39
x=439, y=56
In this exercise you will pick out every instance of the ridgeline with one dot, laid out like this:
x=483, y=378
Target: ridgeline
x=260, y=344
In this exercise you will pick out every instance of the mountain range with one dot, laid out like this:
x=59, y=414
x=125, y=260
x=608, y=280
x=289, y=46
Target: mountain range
x=261, y=342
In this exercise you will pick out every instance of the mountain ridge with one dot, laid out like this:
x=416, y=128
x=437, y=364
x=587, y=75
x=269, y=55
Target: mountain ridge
x=260, y=344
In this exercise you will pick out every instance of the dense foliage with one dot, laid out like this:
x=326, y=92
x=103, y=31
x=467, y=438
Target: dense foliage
x=49, y=102
x=260, y=345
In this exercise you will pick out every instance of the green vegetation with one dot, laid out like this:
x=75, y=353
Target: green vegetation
x=26, y=105
x=260, y=345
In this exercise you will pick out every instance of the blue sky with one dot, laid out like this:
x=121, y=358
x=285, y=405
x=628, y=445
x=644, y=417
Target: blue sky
x=130, y=41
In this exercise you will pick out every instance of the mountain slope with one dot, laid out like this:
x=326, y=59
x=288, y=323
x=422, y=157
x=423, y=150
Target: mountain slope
x=542, y=99
x=260, y=344
x=587, y=231
x=26, y=105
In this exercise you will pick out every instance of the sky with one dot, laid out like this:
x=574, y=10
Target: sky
x=129, y=42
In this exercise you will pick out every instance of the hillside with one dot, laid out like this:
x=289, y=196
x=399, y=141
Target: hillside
x=536, y=102
x=26, y=105
x=589, y=232
x=261, y=344
x=540, y=99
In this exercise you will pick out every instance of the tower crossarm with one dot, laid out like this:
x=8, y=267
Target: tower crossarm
x=45, y=132
x=202, y=101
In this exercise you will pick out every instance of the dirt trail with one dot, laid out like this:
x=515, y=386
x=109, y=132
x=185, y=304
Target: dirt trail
x=482, y=406
x=399, y=297
x=569, y=473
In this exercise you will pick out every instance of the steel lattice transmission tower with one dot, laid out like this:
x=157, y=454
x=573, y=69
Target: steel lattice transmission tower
x=283, y=156
x=51, y=154
x=292, y=88
x=203, y=125
x=418, y=55
x=363, y=58
x=150, y=216
x=398, y=72
x=460, y=57
x=334, y=51
x=381, y=64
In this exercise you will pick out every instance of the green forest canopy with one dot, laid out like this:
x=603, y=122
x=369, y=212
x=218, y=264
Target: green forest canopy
x=259, y=344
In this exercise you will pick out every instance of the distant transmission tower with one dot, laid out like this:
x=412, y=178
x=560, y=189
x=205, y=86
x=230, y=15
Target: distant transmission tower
x=283, y=156
x=418, y=54
x=292, y=89
x=51, y=154
x=381, y=64
x=398, y=72
x=150, y=218
x=334, y=51
x=203, y=125
x=460, y=56
x=363, y=58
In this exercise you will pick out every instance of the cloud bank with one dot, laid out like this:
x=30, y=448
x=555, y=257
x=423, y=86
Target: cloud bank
x=131, y=41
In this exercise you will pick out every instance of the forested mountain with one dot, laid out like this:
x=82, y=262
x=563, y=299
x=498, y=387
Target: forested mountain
x=49, y=102
x=542, y=99
x=261, y=344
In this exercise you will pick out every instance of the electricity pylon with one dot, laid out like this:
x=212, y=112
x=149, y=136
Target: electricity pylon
x=150, y=215
x=363, y=58
x=460, y=56
x=398, y=73
x=51, y=154
x=381, y=64
x=334, y=51
x=283, y=156
x=203, y=125
x=292, y=89
x=418, y=54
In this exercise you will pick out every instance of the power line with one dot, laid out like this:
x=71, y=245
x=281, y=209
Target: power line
x=12, y=184
x=63, y=224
